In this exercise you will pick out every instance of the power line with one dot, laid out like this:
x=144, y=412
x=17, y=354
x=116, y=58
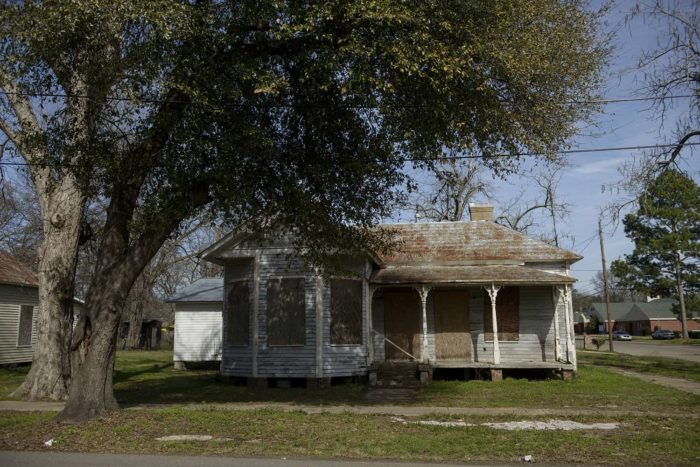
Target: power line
x=612, y=100
x=478, y=156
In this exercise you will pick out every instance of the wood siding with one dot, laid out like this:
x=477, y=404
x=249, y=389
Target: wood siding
x=298, y=361
x=11, y=300
x=198, y=328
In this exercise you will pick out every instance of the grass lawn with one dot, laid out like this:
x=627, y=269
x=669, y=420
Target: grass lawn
x=638, y=440
x=657, y=365
x=143, y=378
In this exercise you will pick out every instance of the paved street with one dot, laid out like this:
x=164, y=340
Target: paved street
x=60, y=459
x=648, y=349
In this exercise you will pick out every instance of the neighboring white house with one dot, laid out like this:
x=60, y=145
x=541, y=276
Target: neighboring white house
x=18, y=303
x=198, y=323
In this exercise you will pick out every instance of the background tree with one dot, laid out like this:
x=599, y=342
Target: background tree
x=666, y=235
x=618, y=289
x=542, y=214
x=20, y=221
x=283, y=115
x=454, y=184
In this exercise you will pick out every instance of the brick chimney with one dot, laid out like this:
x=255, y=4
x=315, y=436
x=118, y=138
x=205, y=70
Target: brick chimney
x=481, y=212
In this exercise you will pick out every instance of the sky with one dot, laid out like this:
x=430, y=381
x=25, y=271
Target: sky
x=619, y=124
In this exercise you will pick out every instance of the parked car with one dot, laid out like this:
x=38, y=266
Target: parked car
x=663, y=334
x=621, y=336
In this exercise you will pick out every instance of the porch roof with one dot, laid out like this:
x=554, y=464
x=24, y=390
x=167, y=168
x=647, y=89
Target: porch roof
x=481, y=274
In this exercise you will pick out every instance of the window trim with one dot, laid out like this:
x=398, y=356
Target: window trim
x=267, y=308
x=19, y=325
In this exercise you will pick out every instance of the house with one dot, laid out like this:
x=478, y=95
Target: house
x=617, y=311
x=454, y=295
x=645, y=317
x=19, y=298
x=198, y=322
x=19, y=304
x=150, y=333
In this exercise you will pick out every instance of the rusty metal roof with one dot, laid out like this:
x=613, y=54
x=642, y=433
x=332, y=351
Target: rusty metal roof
x=15, y=273
x=484, y=274
x=453, y=242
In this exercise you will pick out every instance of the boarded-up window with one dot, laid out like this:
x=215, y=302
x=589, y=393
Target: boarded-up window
x=26, y=318
x=507, y=314
x=346, y=311
x=238, y=313
x=286, y=309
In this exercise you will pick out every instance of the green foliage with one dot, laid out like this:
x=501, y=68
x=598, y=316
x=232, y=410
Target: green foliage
x=666, y=233
x=306, y=114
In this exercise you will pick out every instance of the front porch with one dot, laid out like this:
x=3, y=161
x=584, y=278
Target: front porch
x=488, y=325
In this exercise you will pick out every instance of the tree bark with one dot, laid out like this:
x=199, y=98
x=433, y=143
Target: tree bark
x=49, y=376
x=681, y=298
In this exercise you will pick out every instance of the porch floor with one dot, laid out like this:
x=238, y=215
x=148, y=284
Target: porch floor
x=502, y=365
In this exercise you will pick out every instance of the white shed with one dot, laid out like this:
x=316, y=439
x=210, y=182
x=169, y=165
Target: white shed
x=198, y=323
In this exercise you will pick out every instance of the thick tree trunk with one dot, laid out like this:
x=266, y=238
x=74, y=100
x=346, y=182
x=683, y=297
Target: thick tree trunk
x=681, y=298
x=91, y=394
x=50, y=373
x=136, y=315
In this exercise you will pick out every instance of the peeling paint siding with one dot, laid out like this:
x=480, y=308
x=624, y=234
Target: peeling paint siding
x=11, y=299
x=343, y=360
x=554, y=268
x=198, y=328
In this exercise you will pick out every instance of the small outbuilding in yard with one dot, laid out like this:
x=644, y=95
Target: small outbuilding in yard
x=467, y=296
x=198, y=322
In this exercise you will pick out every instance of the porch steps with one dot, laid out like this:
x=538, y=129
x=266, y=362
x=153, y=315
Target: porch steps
x=398, y=375
x=392, y=395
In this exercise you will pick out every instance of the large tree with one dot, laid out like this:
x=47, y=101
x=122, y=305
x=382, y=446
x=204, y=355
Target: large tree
x=279, y=114
x=666, y=235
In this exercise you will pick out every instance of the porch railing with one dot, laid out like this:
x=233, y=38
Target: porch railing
x=396, y=346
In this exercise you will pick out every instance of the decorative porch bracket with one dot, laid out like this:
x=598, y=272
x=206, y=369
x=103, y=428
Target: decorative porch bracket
x=556, y=297
x=423, y=291
x=493, y=293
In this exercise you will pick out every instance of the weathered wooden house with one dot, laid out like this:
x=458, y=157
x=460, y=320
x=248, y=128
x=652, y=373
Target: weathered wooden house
x=19, y=304
x=467, y=295
x=198, y=322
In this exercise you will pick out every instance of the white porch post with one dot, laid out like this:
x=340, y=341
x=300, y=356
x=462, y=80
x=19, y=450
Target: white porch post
x=556, y=295
x=370, y=329
x=319, y=325
x=570, y=344
x=256, y=301
x=423, y=292
x=493, y=293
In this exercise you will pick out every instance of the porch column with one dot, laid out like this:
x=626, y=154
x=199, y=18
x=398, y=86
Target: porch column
x=556, y=296
x=256, y=323
x=570, y=336
x=319, y=325
x=370, y=329
x=423, y=292
x=493, y=293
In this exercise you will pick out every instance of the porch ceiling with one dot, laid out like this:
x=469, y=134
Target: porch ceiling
x=483, y=274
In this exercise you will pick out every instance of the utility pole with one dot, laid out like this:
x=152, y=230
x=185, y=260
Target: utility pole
x=605, y=283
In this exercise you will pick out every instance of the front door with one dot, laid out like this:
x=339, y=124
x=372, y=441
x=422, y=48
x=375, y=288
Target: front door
x=452, y=338
x=402, y=318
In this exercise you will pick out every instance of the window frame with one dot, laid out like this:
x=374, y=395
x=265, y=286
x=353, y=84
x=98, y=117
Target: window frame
x=31, y=326
x=228, y=283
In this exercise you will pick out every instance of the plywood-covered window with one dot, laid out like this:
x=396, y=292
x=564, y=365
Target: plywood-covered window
x=346, y=311
x=507, y=314
x=238, y=313
x=286, y=311
x=26, y=321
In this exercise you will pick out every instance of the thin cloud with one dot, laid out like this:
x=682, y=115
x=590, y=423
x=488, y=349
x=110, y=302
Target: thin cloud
x=599, y=167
